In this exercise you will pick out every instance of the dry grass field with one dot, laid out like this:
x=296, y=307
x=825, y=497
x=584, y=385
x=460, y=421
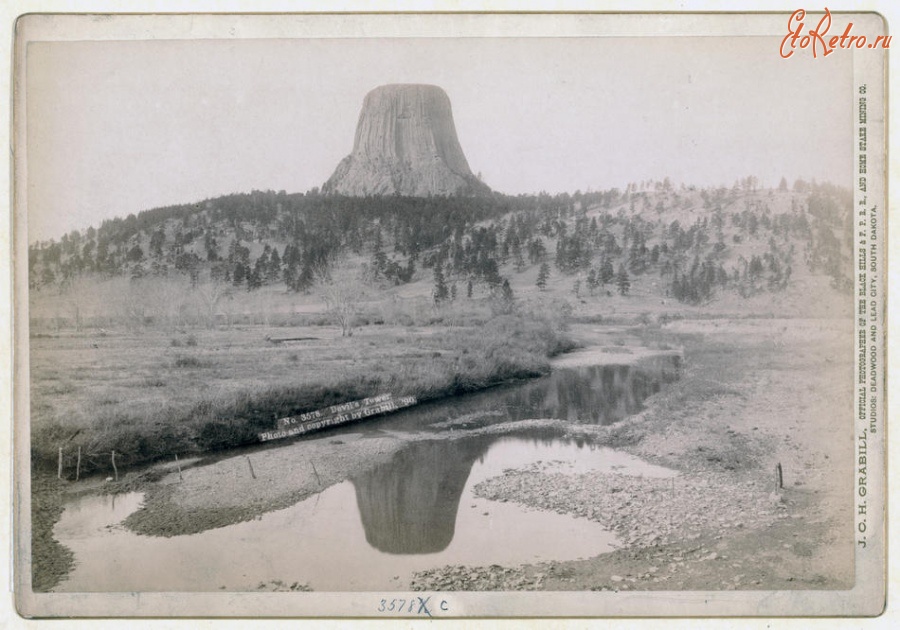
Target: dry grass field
x=156, y=392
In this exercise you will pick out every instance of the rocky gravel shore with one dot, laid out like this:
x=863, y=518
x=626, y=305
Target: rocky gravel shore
x=642, y=510
x=461, y=578
x=673, y=518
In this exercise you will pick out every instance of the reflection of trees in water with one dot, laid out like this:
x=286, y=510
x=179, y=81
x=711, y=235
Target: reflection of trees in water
x=409, y=505
x=593, y=395
x=590, y=395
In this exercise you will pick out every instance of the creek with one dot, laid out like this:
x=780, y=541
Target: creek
x=414, y=512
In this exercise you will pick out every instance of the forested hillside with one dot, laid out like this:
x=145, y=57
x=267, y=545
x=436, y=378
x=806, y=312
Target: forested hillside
x=693, y=243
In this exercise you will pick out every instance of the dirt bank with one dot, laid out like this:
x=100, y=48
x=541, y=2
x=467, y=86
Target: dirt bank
x=754, y=394
x=51, y=561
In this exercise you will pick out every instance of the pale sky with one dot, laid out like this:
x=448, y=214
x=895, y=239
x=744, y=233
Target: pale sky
x=120, y=127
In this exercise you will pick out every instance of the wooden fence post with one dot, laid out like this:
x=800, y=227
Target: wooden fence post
x=779, y=478
x=78, y=465
x=179, y=467
x=59, y=465
x=249, y=463
x=115, y=470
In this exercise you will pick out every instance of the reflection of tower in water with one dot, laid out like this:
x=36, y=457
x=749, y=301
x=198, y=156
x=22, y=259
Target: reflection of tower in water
x=409, y=504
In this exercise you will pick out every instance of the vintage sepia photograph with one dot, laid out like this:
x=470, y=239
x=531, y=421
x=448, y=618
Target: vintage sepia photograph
x=450, y=315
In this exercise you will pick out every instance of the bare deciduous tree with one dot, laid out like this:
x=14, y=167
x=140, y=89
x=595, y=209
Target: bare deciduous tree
x=76, y=293
x=343, y=289
x=152, y=301
x=209, y=294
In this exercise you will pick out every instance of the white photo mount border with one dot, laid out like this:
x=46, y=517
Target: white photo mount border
x=868, y=485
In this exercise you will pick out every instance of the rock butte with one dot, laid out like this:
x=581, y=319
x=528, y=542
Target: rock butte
x=405, y=144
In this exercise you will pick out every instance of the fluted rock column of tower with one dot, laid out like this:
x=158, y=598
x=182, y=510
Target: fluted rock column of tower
x=405, y=144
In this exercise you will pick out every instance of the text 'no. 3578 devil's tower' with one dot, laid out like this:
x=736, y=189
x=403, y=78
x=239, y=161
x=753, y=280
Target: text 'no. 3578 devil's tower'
x=405, y=144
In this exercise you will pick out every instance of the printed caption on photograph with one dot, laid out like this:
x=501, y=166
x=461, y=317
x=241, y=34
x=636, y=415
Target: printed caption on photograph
x=868, y=323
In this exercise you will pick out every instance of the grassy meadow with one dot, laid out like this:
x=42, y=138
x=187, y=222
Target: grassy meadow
x=154, y=391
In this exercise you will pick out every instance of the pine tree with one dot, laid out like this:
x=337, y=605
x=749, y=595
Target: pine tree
x=254, y=279
x=502, y=299
x=240, y=274
x=441, y=292
x=135, y=254
x=543, y=276
x=306, y=278
x=274, y=271
x=157, y=240
x=258, y=275
x=518, y=259
x=536, y=250
x=506, y=292
x=211, y=246
x=593, y=281
x=622, y=281
x=606, y=271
